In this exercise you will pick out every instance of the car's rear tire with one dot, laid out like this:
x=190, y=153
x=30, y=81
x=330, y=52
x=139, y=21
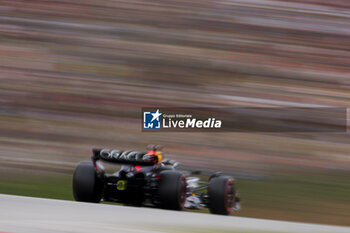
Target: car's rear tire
x=221, y=193
x=172, y=190
x=87, y=187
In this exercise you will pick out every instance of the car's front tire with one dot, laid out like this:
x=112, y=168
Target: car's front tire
x=222, y=195
x=87, y=186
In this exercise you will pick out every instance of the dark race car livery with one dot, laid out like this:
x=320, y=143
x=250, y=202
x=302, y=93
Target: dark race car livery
x=146, y=179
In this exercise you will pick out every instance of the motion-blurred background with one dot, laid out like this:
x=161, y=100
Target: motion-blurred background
x=75, y=74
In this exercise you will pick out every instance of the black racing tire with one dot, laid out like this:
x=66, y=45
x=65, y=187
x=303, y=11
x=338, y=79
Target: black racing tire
x=87, y=187
x=172, y=190
x=221, y=193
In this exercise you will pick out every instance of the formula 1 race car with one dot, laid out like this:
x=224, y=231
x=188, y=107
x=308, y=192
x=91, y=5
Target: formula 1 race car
x=146, y=179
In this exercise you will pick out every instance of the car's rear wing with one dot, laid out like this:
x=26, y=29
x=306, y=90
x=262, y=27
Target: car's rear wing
x=123, y=157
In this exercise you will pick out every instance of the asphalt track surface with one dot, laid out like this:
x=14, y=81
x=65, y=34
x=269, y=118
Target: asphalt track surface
x=29, y=215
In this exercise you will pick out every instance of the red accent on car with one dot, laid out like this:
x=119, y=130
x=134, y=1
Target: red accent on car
x=95, y=165
x=138, y=168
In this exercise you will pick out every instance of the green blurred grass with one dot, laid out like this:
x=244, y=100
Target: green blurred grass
x=303, y=197
x=315, y=198
x=34, y=184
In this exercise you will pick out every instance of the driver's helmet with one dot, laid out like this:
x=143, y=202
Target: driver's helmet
x=154, y=153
